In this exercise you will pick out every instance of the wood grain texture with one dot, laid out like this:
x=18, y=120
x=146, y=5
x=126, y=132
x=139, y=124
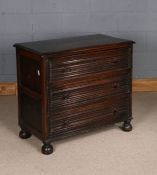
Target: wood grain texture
x=8, y=88
x=73, y=44
x=144, y=85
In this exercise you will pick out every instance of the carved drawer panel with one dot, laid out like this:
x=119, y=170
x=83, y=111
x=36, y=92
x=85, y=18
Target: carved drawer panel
x=107, y=110
x=69, y=98
x=85, y=81
x=82, y=64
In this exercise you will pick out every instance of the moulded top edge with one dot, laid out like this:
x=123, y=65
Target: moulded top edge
x=70, y=43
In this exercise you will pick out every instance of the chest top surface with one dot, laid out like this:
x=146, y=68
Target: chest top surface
x=71, y=43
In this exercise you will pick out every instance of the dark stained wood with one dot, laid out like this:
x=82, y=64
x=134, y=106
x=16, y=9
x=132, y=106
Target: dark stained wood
x=30, y=74
x=88, y=63
x=44, y=73
x=31, y=111
x=73, y=43
x=104, y=111
x=65, y=98
x=73, y=85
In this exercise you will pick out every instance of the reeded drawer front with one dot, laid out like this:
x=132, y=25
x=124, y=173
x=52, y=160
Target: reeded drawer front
x=70, y=98
x=105, y=111
x=60, y=60
x=30, y=74
x=86, y=81
x=81, y=64
x=95, y=104
x=88, y=124
x=69, y=71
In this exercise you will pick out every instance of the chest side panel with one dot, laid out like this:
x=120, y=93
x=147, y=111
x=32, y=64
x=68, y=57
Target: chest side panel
x=31, y=93
x=30, y=73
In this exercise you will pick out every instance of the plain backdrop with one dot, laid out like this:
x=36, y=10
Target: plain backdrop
x=30, y=20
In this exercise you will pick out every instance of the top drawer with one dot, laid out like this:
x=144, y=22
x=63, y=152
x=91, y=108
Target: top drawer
x=68, y=66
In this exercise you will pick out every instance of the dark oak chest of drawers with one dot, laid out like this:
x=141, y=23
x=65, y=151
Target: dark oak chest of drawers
x=73, y=85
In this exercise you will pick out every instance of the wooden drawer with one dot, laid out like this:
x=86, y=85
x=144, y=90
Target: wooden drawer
x=30, y=71
x=81, y=64
x=70, y=98
x=104, y=111
x=85, y=81
x=95, y=104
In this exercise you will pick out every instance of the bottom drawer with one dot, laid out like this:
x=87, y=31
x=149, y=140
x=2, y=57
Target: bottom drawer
x=115, y=109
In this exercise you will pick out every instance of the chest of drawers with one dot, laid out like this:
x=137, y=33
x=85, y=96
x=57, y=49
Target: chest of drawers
x=73, y=85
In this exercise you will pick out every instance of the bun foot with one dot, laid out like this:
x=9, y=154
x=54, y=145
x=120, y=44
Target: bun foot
x=47, y=149
x=24, y=134
x=127, y=126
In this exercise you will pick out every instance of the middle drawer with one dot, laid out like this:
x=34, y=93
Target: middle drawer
x=70, y=98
